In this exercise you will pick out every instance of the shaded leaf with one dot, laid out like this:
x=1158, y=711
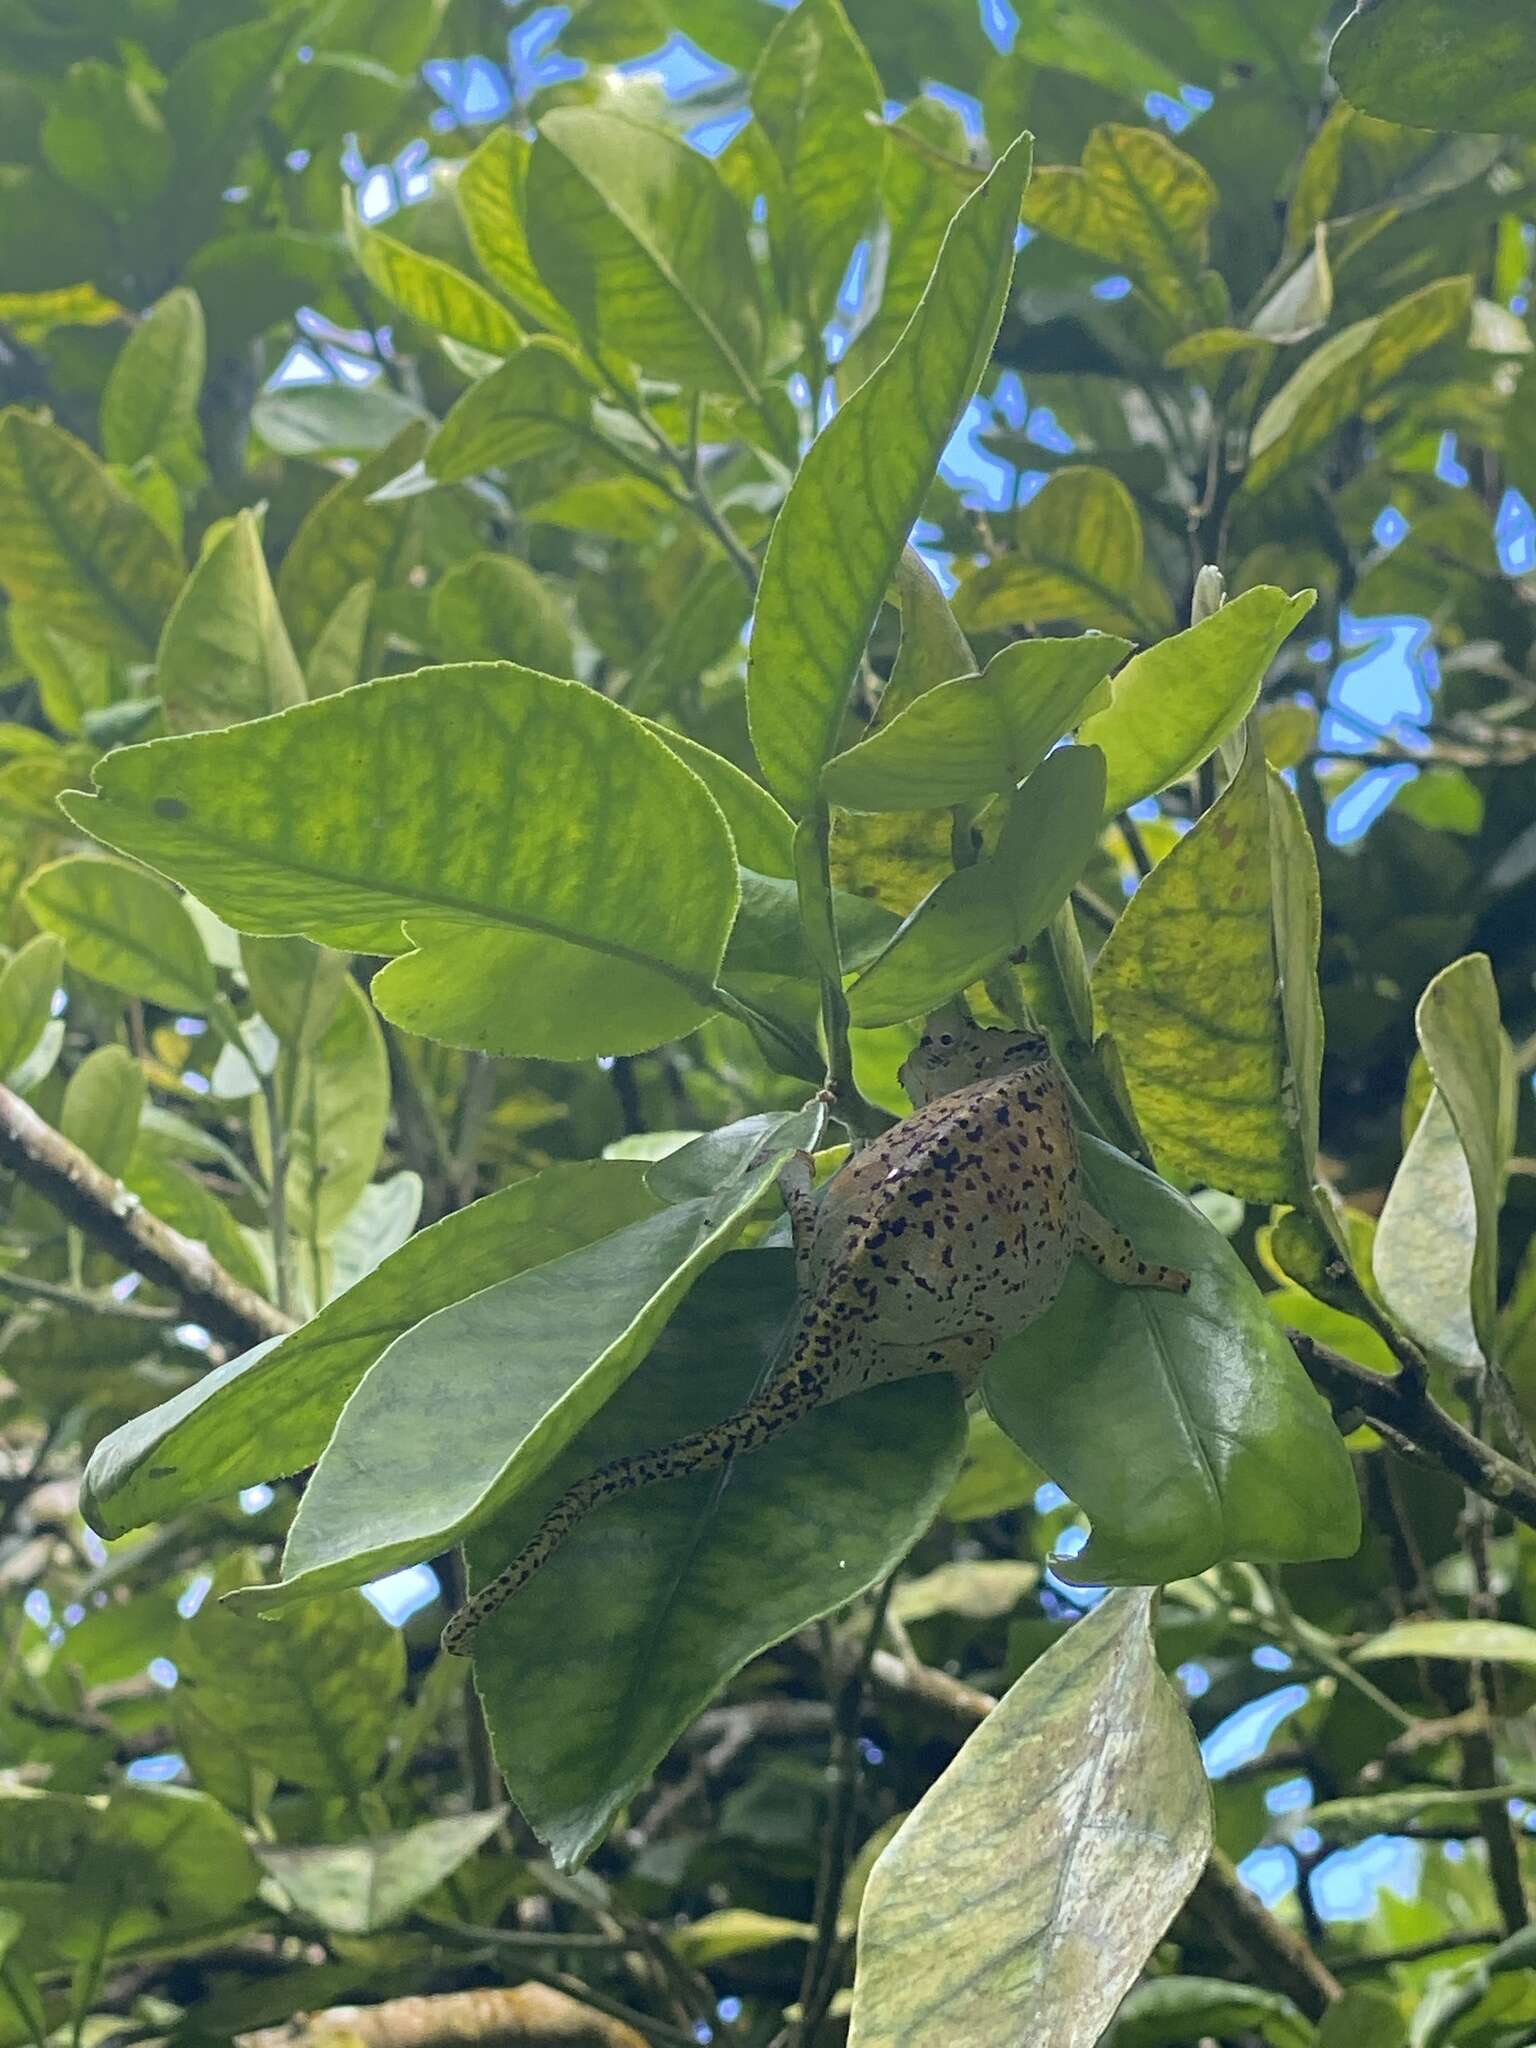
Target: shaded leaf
x=126, y=928
x=653, y=1602
x=1076, y=553
x=1167, y=2012
x=149, y=406
x=76, y=544
x=225, y=654
x=336, y=658
x=1338, y=379
x=1183, y=1425
x=539, y=401
x=1458, y=64
x=861, y=486
x=360, y=1887
x=495, y=608
x=321, y=421
x=489, y=190
x=591, y=918
x=102, y=1105
x=1487, y=1642
x=314, y=1702
x=1023, y=1895
x=29, y=981
x=105, y=137
x=345, y=540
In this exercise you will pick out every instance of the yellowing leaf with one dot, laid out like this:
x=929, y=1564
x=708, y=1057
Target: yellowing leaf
x=433, y=292
x=1338, y=379
x=76, y=543
x=1143, y=205
x=1076, y=554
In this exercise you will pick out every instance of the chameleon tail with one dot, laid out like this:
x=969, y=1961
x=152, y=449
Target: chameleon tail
x=775, y=1410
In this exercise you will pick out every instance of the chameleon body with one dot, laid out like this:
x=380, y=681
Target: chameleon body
x=936, y=1242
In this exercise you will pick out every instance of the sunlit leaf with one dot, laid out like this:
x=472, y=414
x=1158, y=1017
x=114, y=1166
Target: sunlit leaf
x=225, y=654
x=125, y=928
x=854, y=499
x=1076, y=553
x=1023, y=1895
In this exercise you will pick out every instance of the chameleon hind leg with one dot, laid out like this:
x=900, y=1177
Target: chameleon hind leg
x=1111, y=1252
x=796, y=1182
x=781, y=1405
x=778, y=1409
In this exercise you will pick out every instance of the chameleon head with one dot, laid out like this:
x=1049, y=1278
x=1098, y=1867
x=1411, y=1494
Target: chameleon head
x=953, y=1052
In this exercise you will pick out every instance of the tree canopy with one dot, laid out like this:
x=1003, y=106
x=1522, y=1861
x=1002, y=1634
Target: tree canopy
x=569, y=577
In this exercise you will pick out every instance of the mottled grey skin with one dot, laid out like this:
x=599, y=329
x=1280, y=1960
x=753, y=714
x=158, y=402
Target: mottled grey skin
x=935, y=1243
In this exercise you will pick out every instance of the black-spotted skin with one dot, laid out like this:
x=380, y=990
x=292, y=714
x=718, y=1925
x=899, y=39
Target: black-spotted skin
x=936, y=1242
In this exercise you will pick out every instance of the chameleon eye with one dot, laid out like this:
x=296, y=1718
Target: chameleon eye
x=945, y=1039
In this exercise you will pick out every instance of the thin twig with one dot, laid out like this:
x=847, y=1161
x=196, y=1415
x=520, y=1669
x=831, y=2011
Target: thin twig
x=1406, y=1412
x=117, y=1221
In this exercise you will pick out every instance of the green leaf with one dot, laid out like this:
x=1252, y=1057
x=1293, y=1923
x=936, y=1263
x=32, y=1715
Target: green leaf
x=76, y=544
x=1339, y=379
x=336, y=658
x=140, y=1863
x=28, y=983
x=638, y=237
x=105, y=137
x=862, y=485
x=1023, y=1895
x=270, y=1411
x=763, y=831
x=933, y=649
x=970, y=738
x=1483, y=1642
x=314, y=1702
x=490, y=193
x=125, y=928
x=1363, y=2018
x=190, y=1206
x=296, y=986
x=735, y=1931
x=225, y=655
x=1188, y=984
x=404, y=1475
x=1426, y=1244
x=919, y=192
x=1166, y=2012
x=495, y=608
x=1473, y=1067
x=430, y=291
x=72, y=679
x=1145, y=207
x=213, y=100
x=318, y=422
x=817, y=102
x=1182, y=1425
x=651, y=1604
x=250, y=281
x=360, y=1887
x=345, y=540
x=1457, y=64
x=102, y=1105
x=1172, y=705
x=365, y=52
x=337, y=1110
x=982, y=915
x=1392, y=1813
x=538, y=402
x=1076, y=553
x=149, y=406
x=591, y=919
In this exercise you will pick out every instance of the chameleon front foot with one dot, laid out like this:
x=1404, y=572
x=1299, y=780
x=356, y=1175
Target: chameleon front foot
x=1111, y=1253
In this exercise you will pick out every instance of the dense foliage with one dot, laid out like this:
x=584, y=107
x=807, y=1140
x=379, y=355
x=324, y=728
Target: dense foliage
x=794, y=598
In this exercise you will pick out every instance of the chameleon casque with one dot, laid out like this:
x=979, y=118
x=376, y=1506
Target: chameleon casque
x=934, y=1244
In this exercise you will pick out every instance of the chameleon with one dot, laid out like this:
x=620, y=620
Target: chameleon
x=935, y=1243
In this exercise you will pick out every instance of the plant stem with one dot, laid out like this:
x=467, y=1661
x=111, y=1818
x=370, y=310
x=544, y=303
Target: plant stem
x=117, y=1221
